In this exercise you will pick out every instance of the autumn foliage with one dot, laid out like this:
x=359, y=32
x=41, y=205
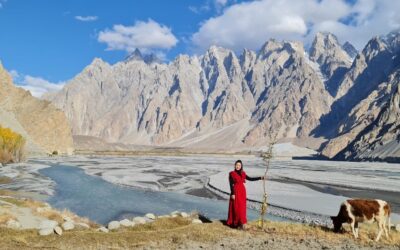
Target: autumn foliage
x=11, y=146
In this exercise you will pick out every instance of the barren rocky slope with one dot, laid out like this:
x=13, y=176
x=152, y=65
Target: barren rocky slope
x=45, y=127
x=366, y=92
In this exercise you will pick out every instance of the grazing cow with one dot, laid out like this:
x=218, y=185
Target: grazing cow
x=358, y=210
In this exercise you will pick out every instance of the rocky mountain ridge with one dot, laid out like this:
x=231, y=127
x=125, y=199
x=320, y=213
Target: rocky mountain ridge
x=221, y=100
x=216, y=99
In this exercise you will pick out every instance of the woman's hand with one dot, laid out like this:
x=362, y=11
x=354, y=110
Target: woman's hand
x=232, y=196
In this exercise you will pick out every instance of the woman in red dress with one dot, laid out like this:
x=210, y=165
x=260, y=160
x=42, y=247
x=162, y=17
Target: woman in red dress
x=237, y=202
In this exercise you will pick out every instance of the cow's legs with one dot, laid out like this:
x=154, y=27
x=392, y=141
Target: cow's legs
x=380, y=231
x=353, y=229
x=385, y=228
x=356, y=229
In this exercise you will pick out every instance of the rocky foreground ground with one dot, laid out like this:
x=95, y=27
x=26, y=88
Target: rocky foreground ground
x=27, y=224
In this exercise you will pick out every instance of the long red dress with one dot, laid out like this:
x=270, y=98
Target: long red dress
x=237, y=207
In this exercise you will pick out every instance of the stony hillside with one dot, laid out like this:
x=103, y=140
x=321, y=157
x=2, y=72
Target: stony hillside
x=45, y=127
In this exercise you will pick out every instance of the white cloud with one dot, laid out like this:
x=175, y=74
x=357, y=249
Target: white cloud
x=86, y=18
x=209, y=5
x=14, y=74
x=36, y=85
x=147, y=36
x=250, y=24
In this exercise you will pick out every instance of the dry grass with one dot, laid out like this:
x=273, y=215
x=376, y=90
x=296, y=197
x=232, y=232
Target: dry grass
x=170, y=233
x=52, y=215
x=165, y=233
x=59, y=216
x=4, y=217
x=17, y=202
x=367, y=233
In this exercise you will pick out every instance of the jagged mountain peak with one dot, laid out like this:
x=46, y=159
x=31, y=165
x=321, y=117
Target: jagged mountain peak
x=138, y=56
x=377, y=43
x=273, y=45
x=350, y=49
x=326, y=43
x=392, y=40
x=98, y=62
x=332, y=58
x=326, y=39
x=218, y=52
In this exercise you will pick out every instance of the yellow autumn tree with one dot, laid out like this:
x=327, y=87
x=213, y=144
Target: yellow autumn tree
x=11, y=146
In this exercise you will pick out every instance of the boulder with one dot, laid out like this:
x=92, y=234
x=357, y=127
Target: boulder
x=184, y=215
x=13, y=224
x=58, y=230
x=46, y=231
x=196, y=221
x=397, y=227
x=126, y=223
x=48, y=224
x=139, y=220
x=68, y=225
x=174, y=213
x=103, y=230
x=150, y=216
x=67, y=218
x=113, y=225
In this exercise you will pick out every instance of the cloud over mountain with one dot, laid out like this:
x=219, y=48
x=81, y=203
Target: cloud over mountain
x=249, y=24
x=147, y=36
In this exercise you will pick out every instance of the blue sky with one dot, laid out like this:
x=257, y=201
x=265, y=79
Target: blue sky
x=44, y=38
x=46, y=42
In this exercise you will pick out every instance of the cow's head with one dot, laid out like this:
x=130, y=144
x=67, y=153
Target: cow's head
x=337, y=223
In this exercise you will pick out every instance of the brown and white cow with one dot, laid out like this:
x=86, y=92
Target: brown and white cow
x=358, y=210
